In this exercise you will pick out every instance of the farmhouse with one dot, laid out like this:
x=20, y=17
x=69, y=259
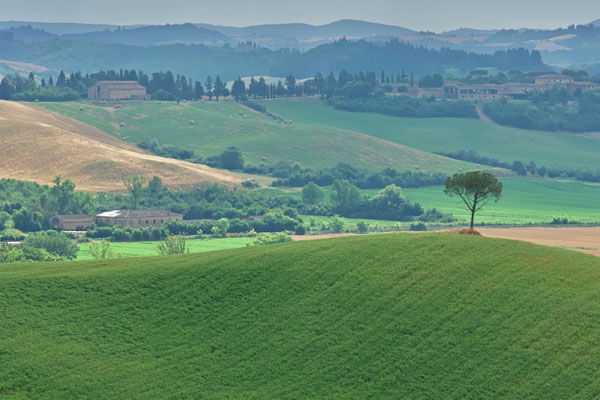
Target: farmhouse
x=117, y=90
x=71, y=222
x=132, y=218
x=137, y=218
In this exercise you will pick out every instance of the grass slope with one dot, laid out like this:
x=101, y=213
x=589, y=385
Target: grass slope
x=386, y=316
x=219, y=125
x=452, y=134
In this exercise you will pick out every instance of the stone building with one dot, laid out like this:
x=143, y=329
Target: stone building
x=71, y=222
x=117, y=90
x=137, y=218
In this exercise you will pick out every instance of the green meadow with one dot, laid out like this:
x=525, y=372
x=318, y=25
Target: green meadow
x=382, y=317
x=218, y=125
x=523, y=201
x=451, y=134
x=144, y=249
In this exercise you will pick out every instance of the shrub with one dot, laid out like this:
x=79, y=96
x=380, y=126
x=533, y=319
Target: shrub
x=221, y=227
x=54, y=243
x=172, y=245
x=336, y=224
x=418, y=227
x=362, y=227
x=266, y=239
x=102, y=250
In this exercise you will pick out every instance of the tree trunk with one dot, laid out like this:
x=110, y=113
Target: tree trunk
x=473, y=210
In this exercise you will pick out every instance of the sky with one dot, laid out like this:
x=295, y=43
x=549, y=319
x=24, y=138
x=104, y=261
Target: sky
x=434, y=15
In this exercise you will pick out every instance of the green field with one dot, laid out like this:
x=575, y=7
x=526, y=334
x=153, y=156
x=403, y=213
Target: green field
x=523, y=201
x=218, y=125
x=143, y=249
x=452, y=134
x=380, y=317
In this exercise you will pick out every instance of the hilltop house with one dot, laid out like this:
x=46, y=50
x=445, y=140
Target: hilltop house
x=131, y=218
x=117, y=90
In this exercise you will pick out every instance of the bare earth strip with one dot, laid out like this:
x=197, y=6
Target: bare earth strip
x=37, y=145
x=586, y=240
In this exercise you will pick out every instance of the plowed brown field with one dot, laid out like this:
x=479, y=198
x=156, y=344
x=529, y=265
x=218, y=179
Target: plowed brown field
x=37, y=145
x=586, y=240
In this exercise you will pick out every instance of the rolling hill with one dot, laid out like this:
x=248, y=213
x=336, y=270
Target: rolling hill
x=384, y=316
x=37, y=145
x=153, y=35
x=304, y=32
x=549, y=149
x=218, y=125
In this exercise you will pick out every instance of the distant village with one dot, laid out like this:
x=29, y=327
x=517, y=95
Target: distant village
x=132, y=90
x=511, y=91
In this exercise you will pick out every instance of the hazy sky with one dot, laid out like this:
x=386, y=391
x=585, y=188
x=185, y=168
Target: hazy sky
x=433, y=15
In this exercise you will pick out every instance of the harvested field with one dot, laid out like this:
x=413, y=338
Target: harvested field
x=586, y=240
x=37, y=145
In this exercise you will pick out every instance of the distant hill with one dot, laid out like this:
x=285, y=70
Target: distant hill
x=27, y=33
x=462, y=32
x=396, y=55
x=595, y=23
x=58, y=28
x=368, y=317
x=153, y=35
x=37, y=145
x=337, y=29
x=198, y=61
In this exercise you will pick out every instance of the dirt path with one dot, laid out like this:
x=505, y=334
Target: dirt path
x=483, y=116
x=586, y=240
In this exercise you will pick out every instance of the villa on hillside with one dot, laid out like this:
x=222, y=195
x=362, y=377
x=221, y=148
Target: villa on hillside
x=489, y=91
x=553, y=79
x=130, y=218
x=117, y=90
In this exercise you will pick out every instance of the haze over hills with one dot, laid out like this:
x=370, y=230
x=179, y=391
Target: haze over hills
x=562, y=47
x=154, y=35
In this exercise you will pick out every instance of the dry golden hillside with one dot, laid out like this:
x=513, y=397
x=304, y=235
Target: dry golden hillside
x=37, y=145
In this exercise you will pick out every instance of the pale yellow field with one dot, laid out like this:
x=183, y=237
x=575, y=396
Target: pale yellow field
x=37, y=145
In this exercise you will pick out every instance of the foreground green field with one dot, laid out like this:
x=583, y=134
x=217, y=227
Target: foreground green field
x=384, y=316
x=452, y=134
x=143, y=249
x=523, y=201
x=218, y=125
